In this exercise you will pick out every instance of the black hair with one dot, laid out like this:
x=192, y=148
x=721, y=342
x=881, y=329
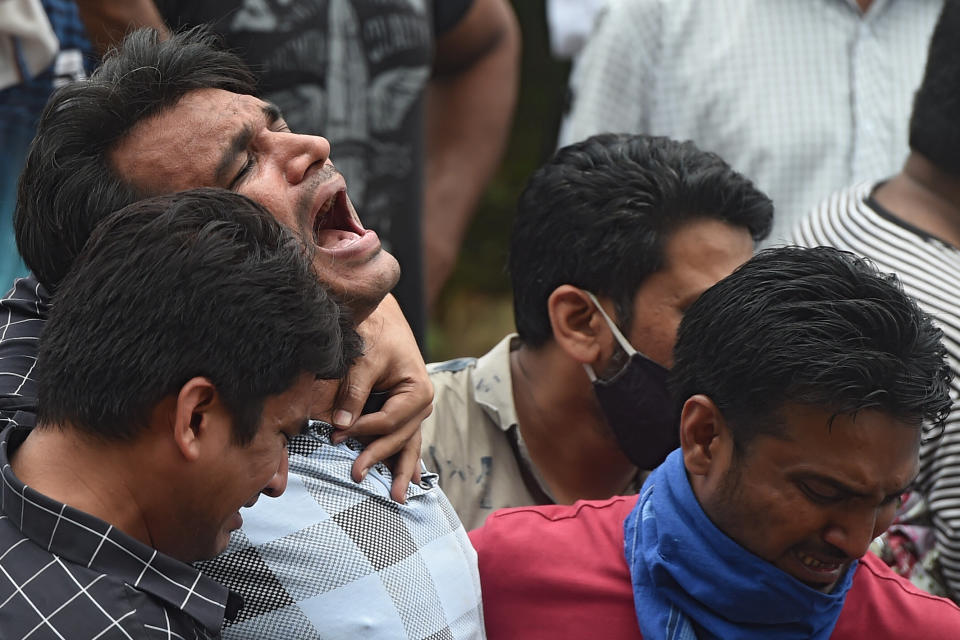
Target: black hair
x=598, y=215
x=199, y=283
x=935, y=121
x=817, y=327
x=68, y=183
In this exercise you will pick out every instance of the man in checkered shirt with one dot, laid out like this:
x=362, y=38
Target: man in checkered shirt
x=153, y=429
x=334, y=556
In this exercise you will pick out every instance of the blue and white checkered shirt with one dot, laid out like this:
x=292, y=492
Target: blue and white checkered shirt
x=332, y=558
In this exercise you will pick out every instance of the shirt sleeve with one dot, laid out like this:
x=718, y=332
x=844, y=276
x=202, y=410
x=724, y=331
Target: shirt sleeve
x=612, y=84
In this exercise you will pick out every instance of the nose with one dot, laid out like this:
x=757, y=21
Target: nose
x=278, y=483
x=853, y=529
x=297, y=153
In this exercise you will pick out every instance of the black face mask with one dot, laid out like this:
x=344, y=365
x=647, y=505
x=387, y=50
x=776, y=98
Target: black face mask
x=637, y=404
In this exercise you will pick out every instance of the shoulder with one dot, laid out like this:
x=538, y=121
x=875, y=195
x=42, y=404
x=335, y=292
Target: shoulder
x=451, y=393
x=516, y=529
x=456, y=369
x=891, y=607
x=825, y=224
x=557, y=571
x=49, y=588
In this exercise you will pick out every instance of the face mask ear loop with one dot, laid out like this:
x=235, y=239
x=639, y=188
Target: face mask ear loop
x=624, y=344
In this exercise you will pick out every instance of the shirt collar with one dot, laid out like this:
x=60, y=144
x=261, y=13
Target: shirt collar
x=88, y=541
x=493, y=384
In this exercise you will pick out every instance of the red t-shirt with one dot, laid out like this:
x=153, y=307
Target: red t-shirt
x=559, y=572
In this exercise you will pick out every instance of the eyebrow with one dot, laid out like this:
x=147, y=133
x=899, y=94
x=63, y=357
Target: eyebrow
x=241, y=140
x=840, y=486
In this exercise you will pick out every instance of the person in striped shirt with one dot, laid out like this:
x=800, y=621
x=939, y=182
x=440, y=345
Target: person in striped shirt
x=910, y=225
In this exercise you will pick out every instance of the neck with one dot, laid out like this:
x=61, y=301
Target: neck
x=925, y=196
x=95, y=477
x=563, y=428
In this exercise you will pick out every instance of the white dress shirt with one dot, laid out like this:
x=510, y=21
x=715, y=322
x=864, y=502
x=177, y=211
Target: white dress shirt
x=802, y=96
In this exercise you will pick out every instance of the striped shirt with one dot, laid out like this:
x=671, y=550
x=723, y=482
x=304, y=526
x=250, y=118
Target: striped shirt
x=929, y=270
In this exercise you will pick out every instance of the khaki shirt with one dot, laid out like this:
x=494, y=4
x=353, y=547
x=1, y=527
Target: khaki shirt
x=472, y=441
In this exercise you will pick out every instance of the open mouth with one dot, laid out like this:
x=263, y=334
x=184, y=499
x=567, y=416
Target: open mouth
x=336, y=225
x=818, y=572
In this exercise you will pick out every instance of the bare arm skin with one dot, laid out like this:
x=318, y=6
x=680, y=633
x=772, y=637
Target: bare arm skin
x=470, y=102
x=107, y=21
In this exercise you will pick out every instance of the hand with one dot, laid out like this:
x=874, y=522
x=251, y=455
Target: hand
x=391, y=362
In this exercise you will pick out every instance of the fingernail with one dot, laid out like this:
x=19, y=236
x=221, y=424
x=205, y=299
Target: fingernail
x=342, y=418
x=363, y=475
x=338, y=436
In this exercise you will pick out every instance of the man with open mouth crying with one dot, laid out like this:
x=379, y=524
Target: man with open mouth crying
x=334, y=556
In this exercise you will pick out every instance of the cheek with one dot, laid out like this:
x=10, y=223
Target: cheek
x=271, y=199
x=772, y=522
x=885, y=517
x=655, y=334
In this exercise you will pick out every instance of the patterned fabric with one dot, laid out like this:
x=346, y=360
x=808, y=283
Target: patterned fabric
x=328, y=555
x=929, y=270
x=23, y=310
x=67, y=574
x=334, y=559
x=802, y=96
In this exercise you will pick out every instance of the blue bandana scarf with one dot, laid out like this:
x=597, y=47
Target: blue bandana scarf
x=690, y=581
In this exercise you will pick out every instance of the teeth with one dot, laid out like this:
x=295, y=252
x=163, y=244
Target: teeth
x=813, y=563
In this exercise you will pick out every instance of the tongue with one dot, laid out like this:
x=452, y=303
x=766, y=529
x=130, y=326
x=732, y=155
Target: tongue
x=335, y=238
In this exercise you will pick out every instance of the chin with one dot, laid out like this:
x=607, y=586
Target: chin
x=363, y=292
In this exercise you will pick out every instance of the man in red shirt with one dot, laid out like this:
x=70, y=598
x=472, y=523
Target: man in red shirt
x=806, y=381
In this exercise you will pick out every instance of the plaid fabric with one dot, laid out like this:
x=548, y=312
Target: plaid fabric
x=66, y=574
x=23, y=311
x=334, y=559
x=20, y=106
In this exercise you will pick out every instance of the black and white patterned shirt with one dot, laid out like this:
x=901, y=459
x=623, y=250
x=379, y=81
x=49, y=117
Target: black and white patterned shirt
x=23, y=311
x=67, y=574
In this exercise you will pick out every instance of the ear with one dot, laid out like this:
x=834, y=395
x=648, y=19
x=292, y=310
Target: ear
x=703, y=431
x=578, y=328
x=198, y=417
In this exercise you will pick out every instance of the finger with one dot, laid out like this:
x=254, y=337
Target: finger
x=379, y=450
x=405, y=409
x=406, y=465
x=350, y=398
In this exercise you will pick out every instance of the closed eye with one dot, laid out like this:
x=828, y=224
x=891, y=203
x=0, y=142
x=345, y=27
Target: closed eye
x=821, y=496
x=245, y=170
x=895, y=499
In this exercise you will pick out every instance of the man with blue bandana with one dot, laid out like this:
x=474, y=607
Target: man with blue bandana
x=805, y=382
